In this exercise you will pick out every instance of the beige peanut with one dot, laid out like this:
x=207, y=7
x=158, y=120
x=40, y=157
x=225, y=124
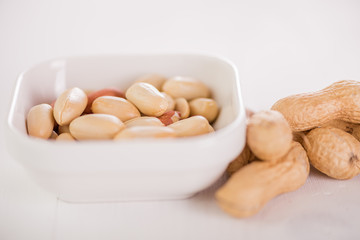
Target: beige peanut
x=95, y=126
x=69, y=105
x=40, y=121
x=205, y=107
x=333, y=152
x=192, y=126
x=340, y=100
x=169, y=117
x=154, y=79
x=170, y=100
x=102, y=92
x=182, y=106
x=144, y=121
x=269, y=136
x=145, y=132
x=244, y=158
x=185, y=87
x=147, y=99
x=65, y=137
x=250, y=188
x=119, y=107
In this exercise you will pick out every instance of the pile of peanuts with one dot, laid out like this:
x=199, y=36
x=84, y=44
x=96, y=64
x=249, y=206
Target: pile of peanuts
x=320, y=128
x=152, y=107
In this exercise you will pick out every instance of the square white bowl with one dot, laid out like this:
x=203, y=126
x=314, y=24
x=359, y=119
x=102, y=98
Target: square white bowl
x=140, y=169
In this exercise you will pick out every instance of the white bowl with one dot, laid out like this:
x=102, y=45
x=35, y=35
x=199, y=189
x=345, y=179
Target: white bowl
x=144, y=169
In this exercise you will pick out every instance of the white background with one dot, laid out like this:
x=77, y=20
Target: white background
x=279, y=47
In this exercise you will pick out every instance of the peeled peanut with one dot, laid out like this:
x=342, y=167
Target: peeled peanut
x=143, y=121
x=103, y=92
x=69, y=105
x=65, y=137
x=182, y=106
x=333, y=152
x=205, y=107
x=250, y=188
x=119, y=107
x=244, y=158
x=169, y=117
x=40, y=121
x=269, y=136
x=64, y=129
x=192, y=126
x=185, y=87
x=340, y=100
x=96, y=126
x=53, y=135
x=147, y=99
x=171, y=102
x=145, y=132
x=154, y=79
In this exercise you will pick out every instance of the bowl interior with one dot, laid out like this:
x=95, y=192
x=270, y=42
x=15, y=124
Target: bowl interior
x=47, y=80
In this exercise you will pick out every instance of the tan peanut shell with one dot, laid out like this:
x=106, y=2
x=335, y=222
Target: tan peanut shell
x=154, y=79
x=333, y=152
x=145, y=132
x=69, y=105
x=205, y=107
x=191, y=126
x=185, y=87
x=352, y=128
x=268, y=135
x=144, y=121
x=96, y=126
x=340, y=100
x=147, y=99
x=119, y=107
x=250, y=188
x=40, y=121
x=244, y=158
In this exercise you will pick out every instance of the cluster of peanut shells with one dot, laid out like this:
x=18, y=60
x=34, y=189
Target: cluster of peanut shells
x=152, y=107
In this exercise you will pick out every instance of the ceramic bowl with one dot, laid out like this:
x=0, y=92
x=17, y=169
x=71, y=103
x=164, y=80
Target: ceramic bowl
x=140, y=169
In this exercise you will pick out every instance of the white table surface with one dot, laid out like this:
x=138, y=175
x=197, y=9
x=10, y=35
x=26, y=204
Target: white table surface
x=279, y=47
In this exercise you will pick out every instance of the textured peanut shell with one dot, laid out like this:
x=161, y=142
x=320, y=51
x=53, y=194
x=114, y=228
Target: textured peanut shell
x=352, y=128
x=340, y=100
x=250, y=188
x=333, y=152
x=268, y=135
x=244, y=158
